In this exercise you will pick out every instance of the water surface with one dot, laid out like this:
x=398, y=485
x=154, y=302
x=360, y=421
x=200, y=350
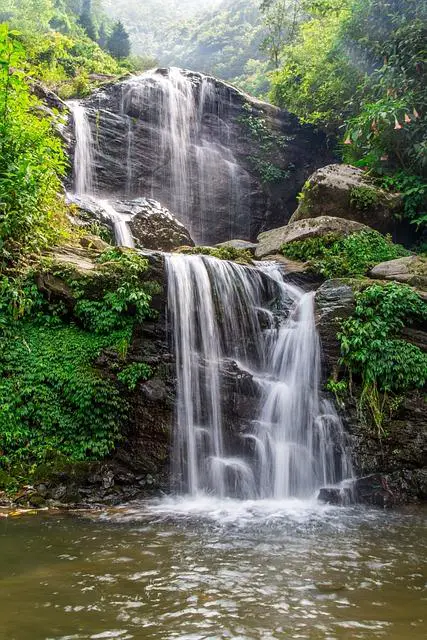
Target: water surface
x=208, y=569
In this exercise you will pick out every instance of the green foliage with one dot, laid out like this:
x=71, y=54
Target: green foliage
x=69, y=64
x=359, y=65
x=218, y=37
x=373, y=350
x=280, y=19
x=133, y=373
x=117, y=297
x=316, y=79
x=390, y=130
x=53, y=397
x=414, y=192
x=363, y=198
x=241, y=256
x=336, y=257
x=32, y=161
x=86, y=19
x=52, y=394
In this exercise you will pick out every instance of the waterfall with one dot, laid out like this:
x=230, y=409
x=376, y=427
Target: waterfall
x=84, y=174
x=84, y=180
x=294, y=443
x=195, y=167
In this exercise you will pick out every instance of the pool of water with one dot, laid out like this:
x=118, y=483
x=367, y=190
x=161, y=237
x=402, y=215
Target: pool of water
x=195, y=569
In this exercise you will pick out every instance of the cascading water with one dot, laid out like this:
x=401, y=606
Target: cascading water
x=84, y=174
x=295, y=443
x=84, y=180
x=194, y=164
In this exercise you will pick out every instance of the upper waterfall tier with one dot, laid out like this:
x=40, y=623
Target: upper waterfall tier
x=225, y=164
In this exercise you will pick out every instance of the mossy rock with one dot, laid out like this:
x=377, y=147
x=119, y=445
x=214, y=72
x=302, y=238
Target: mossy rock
x=344, y=191
x=223, y=252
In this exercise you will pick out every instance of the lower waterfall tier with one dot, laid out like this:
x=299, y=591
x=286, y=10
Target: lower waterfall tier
x=294, y=443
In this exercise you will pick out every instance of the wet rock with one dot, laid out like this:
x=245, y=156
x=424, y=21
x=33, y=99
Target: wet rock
x=341, y=190
x=334, y=301
x=153, y=226
x=108, y=479
x=59, y=492
x=374, y=490
x=48, y=96
x=42, y=490
x=336, y=495
x=154, y=390
x=270, y=242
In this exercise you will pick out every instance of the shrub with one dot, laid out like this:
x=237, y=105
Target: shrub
x=373, y=349
x=32, y=162
x=53, y=397
x=133, y=373
x=353, y=255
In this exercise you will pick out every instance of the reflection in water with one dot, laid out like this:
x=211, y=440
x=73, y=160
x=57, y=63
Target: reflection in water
x=227, y=570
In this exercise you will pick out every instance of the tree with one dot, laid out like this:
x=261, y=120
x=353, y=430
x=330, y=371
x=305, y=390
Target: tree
x=102, y=37
x=118, y=42
x=281, y=19
x=86, y=20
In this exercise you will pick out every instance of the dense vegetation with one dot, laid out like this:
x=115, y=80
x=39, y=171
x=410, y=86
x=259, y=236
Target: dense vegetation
x=53, y=397
x=374, y=350
x=357, y=69
x=334, y=256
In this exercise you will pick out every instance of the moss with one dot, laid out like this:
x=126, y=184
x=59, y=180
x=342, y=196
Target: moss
x=241, y=256
x=364, y=198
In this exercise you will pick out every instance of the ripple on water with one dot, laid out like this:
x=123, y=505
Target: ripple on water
x=205, y=568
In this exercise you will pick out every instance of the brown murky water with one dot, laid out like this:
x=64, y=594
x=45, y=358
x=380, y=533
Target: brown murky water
x=208, y=570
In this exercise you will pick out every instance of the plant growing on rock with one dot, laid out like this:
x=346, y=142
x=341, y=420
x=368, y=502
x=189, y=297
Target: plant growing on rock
x=133, y=373
x=374, y=351
x=335, y=257
x=241, y=256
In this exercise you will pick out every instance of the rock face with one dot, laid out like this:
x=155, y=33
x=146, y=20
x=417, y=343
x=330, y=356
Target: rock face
x=197, y=145
x=410, y=270
x=392, y=468
x=271, y=241
x=343, y=191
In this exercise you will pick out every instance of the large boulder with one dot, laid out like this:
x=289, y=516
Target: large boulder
x=227, y=165
x=151, y=225
x=271, y=241
x=344, y=191
x=410, y=270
